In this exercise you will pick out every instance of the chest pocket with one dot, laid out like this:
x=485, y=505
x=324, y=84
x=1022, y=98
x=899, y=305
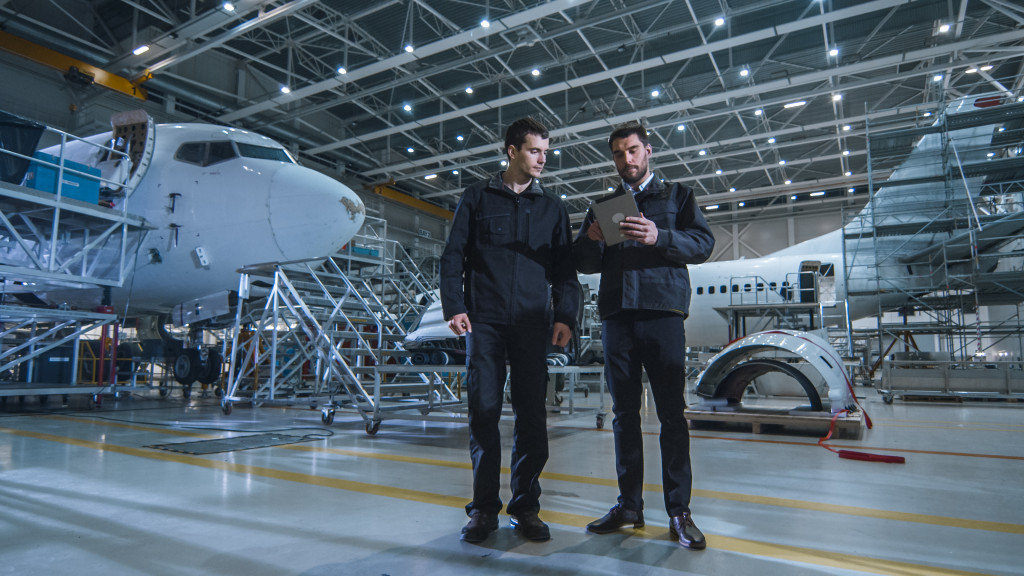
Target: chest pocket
x=661, y=211
x=495, y=229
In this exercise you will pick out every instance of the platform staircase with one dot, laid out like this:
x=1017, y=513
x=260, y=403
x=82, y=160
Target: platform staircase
x=319, y=332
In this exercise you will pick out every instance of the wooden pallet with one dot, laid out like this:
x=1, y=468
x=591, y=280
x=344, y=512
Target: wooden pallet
x=848, y=426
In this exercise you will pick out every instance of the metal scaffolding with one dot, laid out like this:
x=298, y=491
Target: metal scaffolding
x=940, y=240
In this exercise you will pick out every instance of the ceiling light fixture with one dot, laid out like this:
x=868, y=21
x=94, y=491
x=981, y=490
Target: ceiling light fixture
x=342, y=70
x=711, y=207
x=228, y=7
x=758, y=112
x=719, y=21
x=795, y=104
x=744, y=73
x=141, y=50
x=410, y=150
x=937, y=78
x=702, y=153
x=681, y=128
x=459, y=138
x=407, y=108
x=847, y=127
x=833, y=52
x=771, y=140
x=485, y=23
x=430, y=176
x=285, y=90
x=409, y=48
x=837, y=97
x=817, y=194
x=788, y=182
x=655, y=93
x=535, y=72
x=469, y=89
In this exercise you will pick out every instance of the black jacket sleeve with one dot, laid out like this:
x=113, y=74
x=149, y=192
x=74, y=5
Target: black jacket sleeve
x=587, y=253
x=453, y=259
x=565, y=286
x=691, y=240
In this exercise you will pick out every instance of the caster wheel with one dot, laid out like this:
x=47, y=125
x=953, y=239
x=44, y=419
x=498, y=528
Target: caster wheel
x=165, y=391
x=327, y=417
x=372, y=428
x=887, y=398
x=186, y=392
x=218, y=392
x=225, y=407
x=600, y=420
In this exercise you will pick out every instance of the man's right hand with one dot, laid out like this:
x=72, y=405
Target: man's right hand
x=460, y=324
x=594, y=232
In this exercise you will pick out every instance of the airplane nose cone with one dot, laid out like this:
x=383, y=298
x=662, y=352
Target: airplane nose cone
x=312, y=215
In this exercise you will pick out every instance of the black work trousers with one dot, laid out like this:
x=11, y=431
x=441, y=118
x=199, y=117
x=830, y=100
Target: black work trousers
x=655, y=341
x=487, y=348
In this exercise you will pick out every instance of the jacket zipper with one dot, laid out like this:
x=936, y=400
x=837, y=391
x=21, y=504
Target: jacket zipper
x=515, y=261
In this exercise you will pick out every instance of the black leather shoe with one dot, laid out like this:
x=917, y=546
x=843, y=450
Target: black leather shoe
x=686, y=532
x=530, y=526
x=480, y=525
x=616, y=518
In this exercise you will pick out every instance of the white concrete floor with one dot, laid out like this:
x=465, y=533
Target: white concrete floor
x=80, y=493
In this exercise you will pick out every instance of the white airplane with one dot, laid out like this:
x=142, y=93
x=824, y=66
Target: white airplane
x=214, y=199
x=889, y=249
x=808, y=277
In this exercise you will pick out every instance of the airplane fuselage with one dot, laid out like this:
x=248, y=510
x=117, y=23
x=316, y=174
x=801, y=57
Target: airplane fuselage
x=218, y=199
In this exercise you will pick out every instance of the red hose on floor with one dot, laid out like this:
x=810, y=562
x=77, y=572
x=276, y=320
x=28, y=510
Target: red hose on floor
x=853, y=454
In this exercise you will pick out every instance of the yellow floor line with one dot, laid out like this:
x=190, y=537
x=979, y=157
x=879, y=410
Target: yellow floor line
x=716, y=542
x=792, y=553
x=655, y=489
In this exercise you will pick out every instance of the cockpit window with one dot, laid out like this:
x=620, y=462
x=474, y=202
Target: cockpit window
x=263, y=152
x=205, y=153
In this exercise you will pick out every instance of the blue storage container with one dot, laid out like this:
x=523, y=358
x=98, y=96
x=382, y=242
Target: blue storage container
x=43, y=177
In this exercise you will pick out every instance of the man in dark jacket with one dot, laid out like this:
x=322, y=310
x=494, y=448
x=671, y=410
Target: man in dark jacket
x=506, y=275
x=643, y=300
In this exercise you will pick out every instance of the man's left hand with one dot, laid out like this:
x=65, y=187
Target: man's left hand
x=640, y=229
x=561, y=334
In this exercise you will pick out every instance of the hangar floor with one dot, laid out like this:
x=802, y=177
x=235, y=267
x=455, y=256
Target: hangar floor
x=84, y=491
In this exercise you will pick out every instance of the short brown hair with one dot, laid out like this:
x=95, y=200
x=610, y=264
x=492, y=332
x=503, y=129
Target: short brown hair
x=517, y=131
x=627, y=129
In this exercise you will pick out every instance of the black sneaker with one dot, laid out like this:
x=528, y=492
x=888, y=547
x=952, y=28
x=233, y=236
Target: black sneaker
x=480, y=525
x=530, y=526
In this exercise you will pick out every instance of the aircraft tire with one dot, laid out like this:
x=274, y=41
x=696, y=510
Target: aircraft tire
x=186, y=367
x=209, y=372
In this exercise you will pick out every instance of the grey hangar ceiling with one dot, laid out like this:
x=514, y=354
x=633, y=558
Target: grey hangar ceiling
x=710, y=78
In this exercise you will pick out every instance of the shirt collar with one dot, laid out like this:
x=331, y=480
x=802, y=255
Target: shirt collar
x=641, y=187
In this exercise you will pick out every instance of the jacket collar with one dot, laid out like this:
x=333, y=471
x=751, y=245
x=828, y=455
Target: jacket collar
x=498, y=184
x=655, y=187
